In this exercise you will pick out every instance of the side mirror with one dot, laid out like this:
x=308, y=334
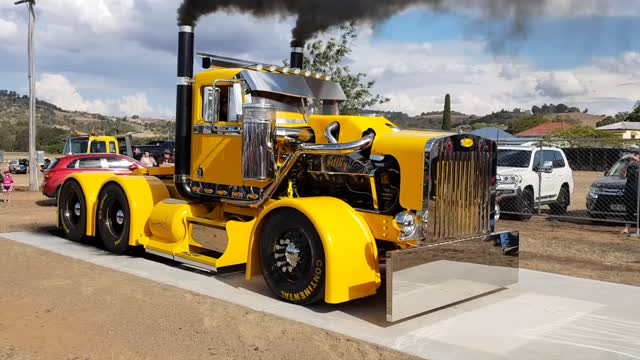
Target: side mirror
x=547, y=167
x=235, y=103
x=211, y=104
x=134, y=167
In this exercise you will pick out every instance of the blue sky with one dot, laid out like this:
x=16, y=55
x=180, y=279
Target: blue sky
x=550, y=44
x=118, y=56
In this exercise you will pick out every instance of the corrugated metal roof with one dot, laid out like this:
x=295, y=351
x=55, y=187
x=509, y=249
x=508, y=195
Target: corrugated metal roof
x=623, y=125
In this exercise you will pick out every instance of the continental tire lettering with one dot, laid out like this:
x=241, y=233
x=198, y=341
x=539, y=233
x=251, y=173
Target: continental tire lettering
x=310, y=289
x=285, y=295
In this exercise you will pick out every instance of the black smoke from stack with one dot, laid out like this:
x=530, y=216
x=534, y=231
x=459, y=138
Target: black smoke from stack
x=314, y=16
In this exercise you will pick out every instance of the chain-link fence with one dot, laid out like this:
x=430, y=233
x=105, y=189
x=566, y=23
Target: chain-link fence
x=582, y=179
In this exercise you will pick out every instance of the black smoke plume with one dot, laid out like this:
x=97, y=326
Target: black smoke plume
x=314, y=16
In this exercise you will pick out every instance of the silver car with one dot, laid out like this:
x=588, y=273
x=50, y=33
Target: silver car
x=13, y=165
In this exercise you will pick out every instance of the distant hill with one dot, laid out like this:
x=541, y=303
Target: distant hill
x=430, y=120
x=576, y=118
x=55, y=125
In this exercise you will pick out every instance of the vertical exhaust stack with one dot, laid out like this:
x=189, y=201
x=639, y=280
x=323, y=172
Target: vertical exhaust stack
x=297, y=54
x=184, y=111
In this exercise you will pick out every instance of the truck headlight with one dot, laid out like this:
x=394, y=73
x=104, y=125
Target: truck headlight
x=509, y=179
x=405, y=222
x=594, y=192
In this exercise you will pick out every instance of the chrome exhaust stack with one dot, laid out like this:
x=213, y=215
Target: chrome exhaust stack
x=184, y=111
x=297, y=54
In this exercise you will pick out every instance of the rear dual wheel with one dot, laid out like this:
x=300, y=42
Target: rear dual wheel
x=72, y=211
x=113, y=219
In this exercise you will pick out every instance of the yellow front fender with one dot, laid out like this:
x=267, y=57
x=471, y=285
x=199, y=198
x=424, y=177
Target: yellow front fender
x=350, y=250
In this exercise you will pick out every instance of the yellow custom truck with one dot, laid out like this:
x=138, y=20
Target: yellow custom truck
x=325, y=207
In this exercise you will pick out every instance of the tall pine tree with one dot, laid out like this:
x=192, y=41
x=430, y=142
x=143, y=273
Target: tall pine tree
x=446, y=115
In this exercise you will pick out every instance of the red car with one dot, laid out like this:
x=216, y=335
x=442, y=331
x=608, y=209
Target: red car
x=62, y=167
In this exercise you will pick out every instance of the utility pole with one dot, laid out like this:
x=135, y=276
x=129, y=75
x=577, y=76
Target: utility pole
x=33, y=156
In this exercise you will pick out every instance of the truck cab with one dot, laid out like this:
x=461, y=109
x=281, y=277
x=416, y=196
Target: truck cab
x=88, y=144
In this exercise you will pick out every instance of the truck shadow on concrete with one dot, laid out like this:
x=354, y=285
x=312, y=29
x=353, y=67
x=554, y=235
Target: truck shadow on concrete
x=371, y=309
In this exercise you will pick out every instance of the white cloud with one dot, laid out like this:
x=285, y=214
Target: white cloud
x=134, y=104
x=58, y=90
x=629, y=63
x=560, y=84
x=8, y=29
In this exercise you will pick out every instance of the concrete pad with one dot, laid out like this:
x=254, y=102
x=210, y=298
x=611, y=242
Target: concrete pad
x=544, y=316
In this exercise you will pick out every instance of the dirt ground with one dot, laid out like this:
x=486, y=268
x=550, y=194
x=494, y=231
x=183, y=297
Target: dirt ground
x=59, y=308
x=53, y=307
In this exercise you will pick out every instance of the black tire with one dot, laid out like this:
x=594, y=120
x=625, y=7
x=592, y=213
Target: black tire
x=113, y=219
x=72, y=211
x=527, y=206
x=292, y=258
x=562, y=204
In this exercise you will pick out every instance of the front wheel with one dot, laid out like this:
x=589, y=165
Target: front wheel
x=562, y=204
x=114, y=219
x=292, y=258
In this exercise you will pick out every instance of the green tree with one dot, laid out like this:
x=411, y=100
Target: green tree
x=446, y=115
x=328, y=57
x=634, y=116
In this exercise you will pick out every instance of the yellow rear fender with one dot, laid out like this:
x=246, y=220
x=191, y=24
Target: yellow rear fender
x=143, y=193
x=91, y=183
x=351, y=255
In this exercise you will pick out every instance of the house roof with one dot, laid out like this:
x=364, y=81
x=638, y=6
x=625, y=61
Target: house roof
x=544, y=129
x=621, y=126
x=492, y=133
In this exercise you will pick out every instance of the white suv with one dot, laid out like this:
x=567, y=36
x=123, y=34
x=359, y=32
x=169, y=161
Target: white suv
x=531, y=174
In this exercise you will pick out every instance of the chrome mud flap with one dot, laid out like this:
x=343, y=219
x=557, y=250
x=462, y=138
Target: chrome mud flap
x=438, y=275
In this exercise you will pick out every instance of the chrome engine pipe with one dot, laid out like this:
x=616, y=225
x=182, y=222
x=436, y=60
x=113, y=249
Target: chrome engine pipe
x=305, y=149
x=329, y=132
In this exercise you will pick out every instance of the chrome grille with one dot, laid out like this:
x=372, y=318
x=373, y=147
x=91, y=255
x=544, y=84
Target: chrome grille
x=463, y=184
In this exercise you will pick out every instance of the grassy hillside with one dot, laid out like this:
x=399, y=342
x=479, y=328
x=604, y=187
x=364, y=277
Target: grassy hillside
x=55, y=125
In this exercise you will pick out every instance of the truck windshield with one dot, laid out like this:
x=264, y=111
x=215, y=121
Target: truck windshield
x=76, y=146
x=514, y=158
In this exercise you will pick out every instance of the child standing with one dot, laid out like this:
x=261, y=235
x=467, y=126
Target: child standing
x=7, y=186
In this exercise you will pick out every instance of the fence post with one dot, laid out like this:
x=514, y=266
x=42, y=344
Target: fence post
x=637, y=234
x=539, y=165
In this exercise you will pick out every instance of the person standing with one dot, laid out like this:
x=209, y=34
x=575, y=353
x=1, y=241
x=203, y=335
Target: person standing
x=7, y=186
x=631, y=189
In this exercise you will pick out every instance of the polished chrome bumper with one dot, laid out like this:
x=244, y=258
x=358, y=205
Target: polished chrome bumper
x=429, y=277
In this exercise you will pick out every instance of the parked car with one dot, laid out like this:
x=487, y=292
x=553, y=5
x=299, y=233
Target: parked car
x=62, y=167
x=13, y=164
x=606, y=197
x=22, y=167
x=528, y=175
